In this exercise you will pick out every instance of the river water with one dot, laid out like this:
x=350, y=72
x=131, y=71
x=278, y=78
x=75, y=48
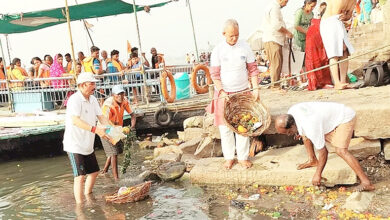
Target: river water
x=43, y=189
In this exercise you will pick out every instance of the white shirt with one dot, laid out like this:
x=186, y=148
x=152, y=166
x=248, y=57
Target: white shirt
x=272, y=22
x=315, y=119
x=233, y=61
x=104, y=65
x=77, y=140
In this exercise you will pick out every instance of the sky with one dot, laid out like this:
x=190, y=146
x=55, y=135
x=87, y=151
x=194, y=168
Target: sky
x=167, y=28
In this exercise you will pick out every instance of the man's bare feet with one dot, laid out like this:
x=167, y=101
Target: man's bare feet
x=307, y=164
x=341, y=86
x=229, y=164
x=245, y=163
x=365, y=187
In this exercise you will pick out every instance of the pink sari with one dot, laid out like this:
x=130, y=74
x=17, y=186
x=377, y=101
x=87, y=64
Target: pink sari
x=56, y=70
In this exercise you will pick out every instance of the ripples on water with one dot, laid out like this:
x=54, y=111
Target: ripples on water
x=43, y=189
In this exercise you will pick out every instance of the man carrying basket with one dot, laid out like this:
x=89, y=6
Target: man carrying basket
x=232, y=64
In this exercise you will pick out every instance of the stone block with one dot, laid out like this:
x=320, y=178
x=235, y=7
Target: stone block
x=209, y=147
x=190, y=160
x=208, y=120
x=165, y=150
x=191, y=133
x=370, y=122
x=147, y=144
x=190, y=146
x=361, y=148
x=193, y=122
x=180, y=135
x=148, y=175
x=276, y=167
x=358, y=201
x=171, y=171
x=167, y=141
x=166, y=158
x=386, y=149
x=213, y=132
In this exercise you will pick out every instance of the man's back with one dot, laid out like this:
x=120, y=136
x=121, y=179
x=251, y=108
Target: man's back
x=336, y=7
x=315, y=119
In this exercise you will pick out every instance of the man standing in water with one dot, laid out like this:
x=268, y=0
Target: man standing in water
x=335, y=38
x=80, y=128
x=113, y=109
x=232, y=64
x=320, y=122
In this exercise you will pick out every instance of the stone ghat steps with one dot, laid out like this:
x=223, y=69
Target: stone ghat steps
x=276, y=167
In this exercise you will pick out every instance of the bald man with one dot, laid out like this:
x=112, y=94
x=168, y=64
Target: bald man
x=335, y=38
x=320, y=122
x=233, y=64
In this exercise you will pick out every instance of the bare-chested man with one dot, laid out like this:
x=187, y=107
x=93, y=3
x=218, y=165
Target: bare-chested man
x=335, y=38
x=320, y=122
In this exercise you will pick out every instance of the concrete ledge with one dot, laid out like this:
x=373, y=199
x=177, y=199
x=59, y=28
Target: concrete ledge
x=274, y=167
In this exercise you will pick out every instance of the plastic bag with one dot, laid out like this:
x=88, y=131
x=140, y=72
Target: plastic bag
x=115, y=133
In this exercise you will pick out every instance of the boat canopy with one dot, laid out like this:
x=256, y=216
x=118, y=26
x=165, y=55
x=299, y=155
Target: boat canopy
x=31, y=21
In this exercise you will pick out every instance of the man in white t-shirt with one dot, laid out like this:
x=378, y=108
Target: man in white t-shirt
x=232, y=65
x=320, y=122
x=274, y=35
x=80, y=127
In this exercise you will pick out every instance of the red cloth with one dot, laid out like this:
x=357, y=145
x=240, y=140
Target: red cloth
x=316, y=57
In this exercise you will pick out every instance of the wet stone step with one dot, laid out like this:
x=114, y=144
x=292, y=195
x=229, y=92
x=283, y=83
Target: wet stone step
x=275, y=167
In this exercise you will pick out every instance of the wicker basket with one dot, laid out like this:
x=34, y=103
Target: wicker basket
x=140, y=192
x=244, y=103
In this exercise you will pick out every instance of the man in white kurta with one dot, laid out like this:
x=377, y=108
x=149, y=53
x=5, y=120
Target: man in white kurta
x=232, y=65
x=274, y=35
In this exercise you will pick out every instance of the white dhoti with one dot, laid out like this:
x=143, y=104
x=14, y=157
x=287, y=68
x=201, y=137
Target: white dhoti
x=334, y=35
x=231, y=144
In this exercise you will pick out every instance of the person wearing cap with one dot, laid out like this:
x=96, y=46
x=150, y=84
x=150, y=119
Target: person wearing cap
x=113, y=109
x=80, y=128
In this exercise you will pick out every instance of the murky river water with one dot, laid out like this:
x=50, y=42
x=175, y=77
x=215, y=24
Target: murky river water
x=43, y=189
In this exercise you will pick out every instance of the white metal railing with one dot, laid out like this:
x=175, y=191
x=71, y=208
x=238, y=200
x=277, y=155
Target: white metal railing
x=51, y=92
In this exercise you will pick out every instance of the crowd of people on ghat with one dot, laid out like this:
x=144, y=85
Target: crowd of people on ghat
x=62, y=66
x=308, y=38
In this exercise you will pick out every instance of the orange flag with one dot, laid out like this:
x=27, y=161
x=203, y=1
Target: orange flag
x=128, y=47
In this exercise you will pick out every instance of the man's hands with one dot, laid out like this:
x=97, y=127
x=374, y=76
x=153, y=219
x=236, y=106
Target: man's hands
x=256, y=94
x=101, y=131
x=223, y=95
x=289, y=35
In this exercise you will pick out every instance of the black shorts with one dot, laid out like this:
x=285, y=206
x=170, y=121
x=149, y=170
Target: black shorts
x=83, y=164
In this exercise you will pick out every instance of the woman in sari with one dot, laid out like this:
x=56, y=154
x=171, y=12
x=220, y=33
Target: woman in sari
x=315, y=56
x=303, y=17
x=56, y=70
